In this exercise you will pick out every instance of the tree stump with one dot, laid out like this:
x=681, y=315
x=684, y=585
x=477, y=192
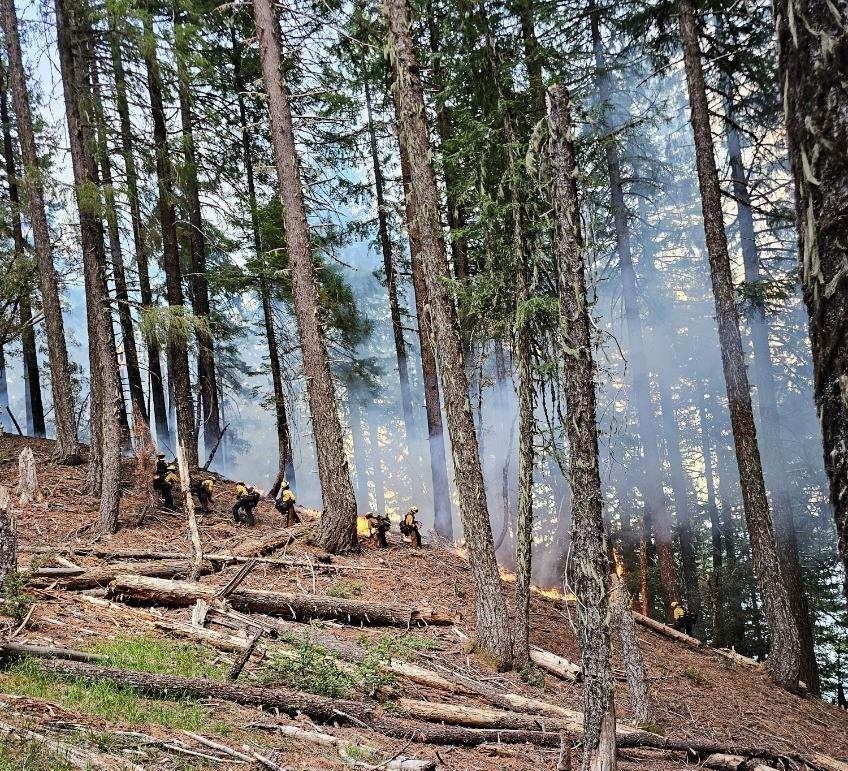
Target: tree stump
x=28, y=491
x=8, y=542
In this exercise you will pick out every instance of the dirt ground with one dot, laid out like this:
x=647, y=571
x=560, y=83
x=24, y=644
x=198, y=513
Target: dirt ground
x=696, y=696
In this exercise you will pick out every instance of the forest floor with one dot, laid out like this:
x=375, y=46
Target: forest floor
x=53, y=721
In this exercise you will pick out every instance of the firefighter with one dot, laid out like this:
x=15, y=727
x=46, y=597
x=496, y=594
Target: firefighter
x=409, y=528
x=161, y=465
x=203, y=489
x=241, y=496
x=251, y=502
x=379, y=525
x=284, y=503
x=167, y=484
x=681, y=619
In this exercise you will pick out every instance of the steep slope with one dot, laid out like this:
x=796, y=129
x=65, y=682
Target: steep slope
x=697, y=696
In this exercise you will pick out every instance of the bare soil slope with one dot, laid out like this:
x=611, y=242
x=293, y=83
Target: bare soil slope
x=697, y=696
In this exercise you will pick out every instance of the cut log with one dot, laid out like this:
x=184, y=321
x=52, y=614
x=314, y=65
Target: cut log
x=296, y=606
x=478, y=717
x=282, y=699
x=8, y=539
x=556, y=665
x=103, y=576
x=28, y=490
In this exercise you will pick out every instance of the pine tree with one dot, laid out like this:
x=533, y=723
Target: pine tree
x=66, y=437
x=338, y=523
x=491, y=617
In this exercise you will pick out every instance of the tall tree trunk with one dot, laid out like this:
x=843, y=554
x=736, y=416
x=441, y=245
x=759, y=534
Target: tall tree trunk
x=179, y=375
x=6, y=424
x=492, y=622
x=812, y=49
x=154, y=366
x=206, y=373
x=338, y=523
x=75, y=56
x=774, y=460
x=525, y=11
x=116, y=251
x=679, y=486
x=60, y=373
x=784, y=661
x=284, y=447
x=655, y=510
x=357, y=431
x=444, y=127
x=35, y=406
x=717, y=583
x=442, y=510
x=391, y=274
x=589, y=561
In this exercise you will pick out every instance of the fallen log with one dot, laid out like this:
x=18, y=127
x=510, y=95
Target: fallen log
x=725, y=762
x=556, y=665
x=260, y=546
x=398, y=763
x=103, y=576
x=73, y=755
x=692, y=642
x=824, y=762
x=479, y=717
x=158, y=591
x=282, y=699
x=47, y=652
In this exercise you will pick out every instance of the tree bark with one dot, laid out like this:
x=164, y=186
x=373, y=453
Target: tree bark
x=32, y=378
x=655, y=510
x=206, y=373
x=154, y=366
x=116, y=252
x=492, y=623
x=774, y=460
x=73, y=41
x=442, y=509
x=784, y=660
x=60, y=373
x=284, y=446
x=338, y=524
x=391, y=273
x=812, y=50
x=179, y=375
x=589, y=562
x=8, y=540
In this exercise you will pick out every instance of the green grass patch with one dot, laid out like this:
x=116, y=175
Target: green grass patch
x=160, y=656
x=100, y=698
x=313, y=669
x=344, y=590
x=695, y=677
x=30, y=756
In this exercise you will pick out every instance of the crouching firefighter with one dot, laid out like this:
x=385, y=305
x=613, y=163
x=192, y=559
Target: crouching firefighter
x=284, y=503
x=378, y=525
x=246, y=501
x=203, y=489
x=409, y=528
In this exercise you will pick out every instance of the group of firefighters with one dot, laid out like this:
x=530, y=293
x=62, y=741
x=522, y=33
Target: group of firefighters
x=167, y=480
x=247, y=497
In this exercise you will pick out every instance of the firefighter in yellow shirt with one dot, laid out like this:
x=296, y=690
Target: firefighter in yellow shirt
x=681, y=620
x=284, y=503
x=203, y=489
